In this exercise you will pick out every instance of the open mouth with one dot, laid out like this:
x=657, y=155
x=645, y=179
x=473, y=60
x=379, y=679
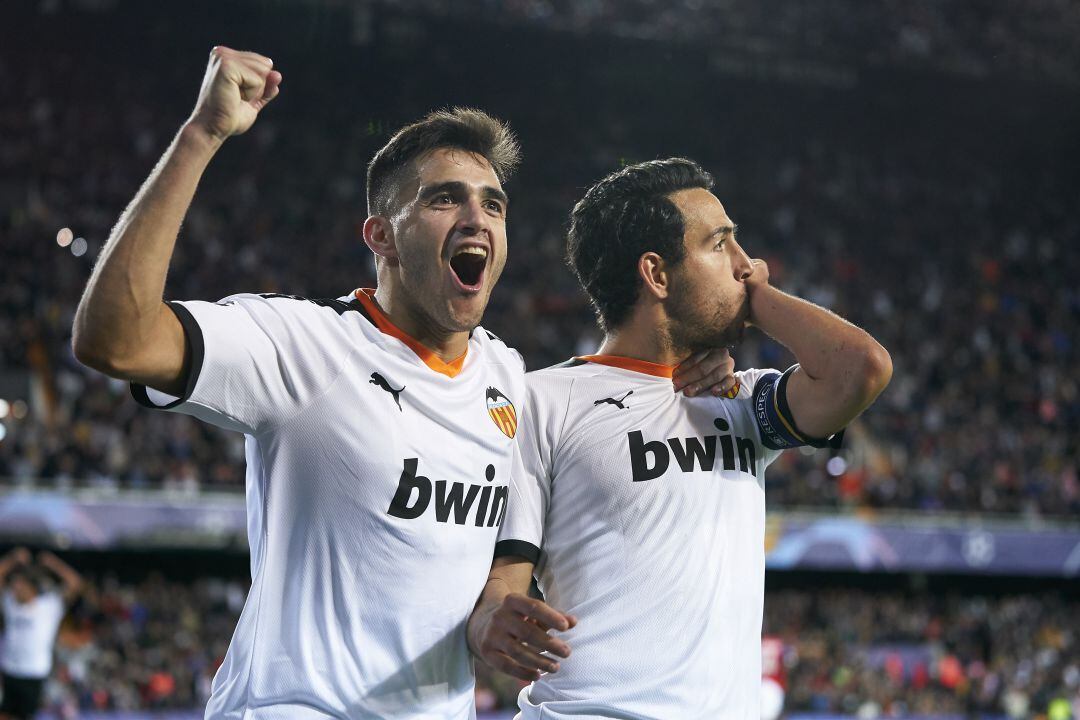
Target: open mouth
x=468, y=265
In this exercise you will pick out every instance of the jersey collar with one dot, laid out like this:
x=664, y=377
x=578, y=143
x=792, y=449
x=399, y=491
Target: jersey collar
x=625, y=363
x=366, y=297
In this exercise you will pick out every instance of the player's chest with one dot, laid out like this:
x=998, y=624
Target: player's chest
x=661, y=449
x=423, y=454
x=397, y=402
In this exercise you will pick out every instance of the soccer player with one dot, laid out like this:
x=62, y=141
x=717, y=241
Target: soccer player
x=642, y=512
x=380, y=425
x=31, y=620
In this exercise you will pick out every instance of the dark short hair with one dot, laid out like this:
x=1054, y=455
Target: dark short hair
x=623, y=216
x=465, y=129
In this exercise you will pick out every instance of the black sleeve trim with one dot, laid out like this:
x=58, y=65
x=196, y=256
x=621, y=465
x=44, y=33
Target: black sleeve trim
x=519, y=548
x=198, y=353
x=833, y=441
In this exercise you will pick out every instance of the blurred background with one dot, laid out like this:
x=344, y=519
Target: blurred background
x=913, y=165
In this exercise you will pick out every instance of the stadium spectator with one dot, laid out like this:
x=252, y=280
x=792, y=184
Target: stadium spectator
x=846, y=651
x=32, y=616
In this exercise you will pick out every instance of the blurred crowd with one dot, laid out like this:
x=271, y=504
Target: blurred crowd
x=156, y=645
x=152, y=645
x=880, y=655
x=960, y=261
x=1002, y=37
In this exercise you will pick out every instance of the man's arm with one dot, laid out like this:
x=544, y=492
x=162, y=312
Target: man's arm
x=508, y=629
x=70, y=578
x=122, y=326
x=842, y=368
x=11, y=560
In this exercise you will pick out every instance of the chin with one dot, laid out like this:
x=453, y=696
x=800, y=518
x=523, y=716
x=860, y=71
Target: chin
x=465, y=317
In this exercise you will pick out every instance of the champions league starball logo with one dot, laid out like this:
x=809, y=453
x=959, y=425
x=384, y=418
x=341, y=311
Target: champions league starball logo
x=502, y=412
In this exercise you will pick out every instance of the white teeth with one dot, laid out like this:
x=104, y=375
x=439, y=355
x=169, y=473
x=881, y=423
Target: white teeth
x=472, y=250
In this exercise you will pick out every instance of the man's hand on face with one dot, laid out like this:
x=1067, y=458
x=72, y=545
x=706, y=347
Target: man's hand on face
x=237, y=85
x=513, y=636
x=759, y=277
x=758, y=280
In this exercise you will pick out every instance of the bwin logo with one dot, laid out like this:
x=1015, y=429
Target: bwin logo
x=650, y=460
x=455, y=498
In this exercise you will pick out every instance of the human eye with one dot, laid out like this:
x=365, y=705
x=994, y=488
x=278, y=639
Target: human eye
x=495, y=206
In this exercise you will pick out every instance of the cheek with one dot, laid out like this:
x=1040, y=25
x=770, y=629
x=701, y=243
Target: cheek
x=500, y=255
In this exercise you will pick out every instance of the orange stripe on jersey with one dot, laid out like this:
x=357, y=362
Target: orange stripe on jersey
x=366, y=296
x=641, y=366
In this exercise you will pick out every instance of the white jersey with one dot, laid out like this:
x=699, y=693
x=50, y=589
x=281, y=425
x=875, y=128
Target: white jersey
x=29, y=633
x=645, y=513
x=377, y=477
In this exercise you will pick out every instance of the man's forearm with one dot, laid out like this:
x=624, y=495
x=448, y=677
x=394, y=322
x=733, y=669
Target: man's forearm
x=7, y=564
x=124, y=296
x=826, y=345
x=68, y=575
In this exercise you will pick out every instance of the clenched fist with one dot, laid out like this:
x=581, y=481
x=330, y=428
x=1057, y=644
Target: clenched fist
x=237, y=85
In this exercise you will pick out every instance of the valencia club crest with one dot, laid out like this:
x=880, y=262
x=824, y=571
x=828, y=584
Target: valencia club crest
x=502, y=411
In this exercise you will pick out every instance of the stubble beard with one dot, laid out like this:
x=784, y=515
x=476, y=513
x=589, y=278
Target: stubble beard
x=695, y=328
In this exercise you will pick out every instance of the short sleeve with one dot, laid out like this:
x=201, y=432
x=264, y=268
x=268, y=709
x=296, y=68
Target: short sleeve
x=254, y=359
x=522, y=531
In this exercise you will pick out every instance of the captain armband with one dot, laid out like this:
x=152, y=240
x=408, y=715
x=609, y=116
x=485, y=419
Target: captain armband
x=774, y=420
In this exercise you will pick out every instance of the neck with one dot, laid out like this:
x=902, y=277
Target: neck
x=448, y=345
x=643, y=341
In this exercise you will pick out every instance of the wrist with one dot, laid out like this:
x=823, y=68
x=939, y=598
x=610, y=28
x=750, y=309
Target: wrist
x=196, y=136
x=474, y=629
x=761, y=299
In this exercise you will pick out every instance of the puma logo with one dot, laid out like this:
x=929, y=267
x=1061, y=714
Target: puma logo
x=612, y=401
x=377, y=379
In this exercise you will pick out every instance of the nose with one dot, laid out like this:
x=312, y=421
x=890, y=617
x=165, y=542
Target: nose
x=741, y=264
x=472, y=220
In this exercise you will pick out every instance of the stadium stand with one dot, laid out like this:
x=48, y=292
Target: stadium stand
x=921, y=223
x=154, y=644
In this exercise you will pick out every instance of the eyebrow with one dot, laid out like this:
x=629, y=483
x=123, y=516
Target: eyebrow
x=725, y=230
x=456, y=187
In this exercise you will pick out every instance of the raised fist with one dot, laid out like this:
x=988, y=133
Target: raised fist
x=237, y=85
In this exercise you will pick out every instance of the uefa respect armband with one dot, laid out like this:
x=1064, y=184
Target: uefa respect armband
x=774, y=420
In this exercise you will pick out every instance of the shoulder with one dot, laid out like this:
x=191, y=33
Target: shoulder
x=752, y=378
x=562, y=375
x=52, y=600
x=553, y=387
x=497, y=351
x=279, y=318
x=292, y=305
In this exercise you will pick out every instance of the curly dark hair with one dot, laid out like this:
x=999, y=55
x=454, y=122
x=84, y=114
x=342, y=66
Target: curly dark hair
x=466, y=129
x=623, y=216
